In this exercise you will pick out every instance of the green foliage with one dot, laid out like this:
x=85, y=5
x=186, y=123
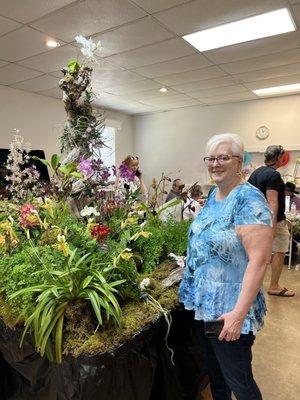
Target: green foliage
x=175, y=237
x=167, y=237
x=19, y=271
x=81, y=279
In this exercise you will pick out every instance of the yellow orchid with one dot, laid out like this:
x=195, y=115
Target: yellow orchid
x=2, y=240
x=63, y=245
x=129, y=221
x=126, y=256
x=144, y=234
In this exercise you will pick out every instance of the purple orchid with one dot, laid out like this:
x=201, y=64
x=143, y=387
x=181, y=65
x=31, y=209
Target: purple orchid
x=126, y=173
x=85, y=167
x=105, y=174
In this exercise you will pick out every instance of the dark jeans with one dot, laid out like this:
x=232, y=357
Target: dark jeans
x=228, y=365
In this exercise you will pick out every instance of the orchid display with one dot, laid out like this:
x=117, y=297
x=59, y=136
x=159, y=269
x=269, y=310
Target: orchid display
x=22, y=179
x=82, y=247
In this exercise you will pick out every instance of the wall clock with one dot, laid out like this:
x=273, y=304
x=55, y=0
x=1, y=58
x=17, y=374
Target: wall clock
x=262, y=132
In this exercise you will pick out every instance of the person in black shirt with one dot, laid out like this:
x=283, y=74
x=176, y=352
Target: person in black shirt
x=270, y=183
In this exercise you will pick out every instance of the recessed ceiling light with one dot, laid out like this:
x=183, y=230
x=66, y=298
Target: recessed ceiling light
x=293, y=88
x=260, y=26
x=52, y=43
x=163, y=90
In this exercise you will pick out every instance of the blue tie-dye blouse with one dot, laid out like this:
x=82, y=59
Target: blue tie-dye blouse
x=216, y=259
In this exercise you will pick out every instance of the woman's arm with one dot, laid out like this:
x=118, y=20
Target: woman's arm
x=143, y=187
x=257, y=241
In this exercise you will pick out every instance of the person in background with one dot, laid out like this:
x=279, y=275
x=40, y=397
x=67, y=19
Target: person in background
x=291, y=192
x=270, y=183
x=228, y=251
x=129, y=177
x=175, y=192
x=192, y=202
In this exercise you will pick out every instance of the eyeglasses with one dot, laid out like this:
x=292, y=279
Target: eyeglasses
x=222, y=159
x=134, y=158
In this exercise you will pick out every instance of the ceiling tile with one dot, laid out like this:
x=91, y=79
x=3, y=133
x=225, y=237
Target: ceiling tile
x=180, y=104
x=202, y=14
x=152, y=94
x=191, y=76
x=123, y=106
x=209, y=83
x=88, y=17
x=294, y=1
x=22, y=43
x=183, y=64
x=152, y=6
x=180, y=99
x=56, y=74
x=296, y=14
x=29, y=10
x=38, y=84
x=269, y=73
x=105, y=79
x=7, y=25
x=111, y=98
x=131, y=36
x=283, y=80
x=270, y=60
x=2, y=63
x=152, y=54
x=14, y=73
x=229, y=98
x=255, y=48
x=52, y=60
x=54, y=92
x=133, y=87
x=218, y=91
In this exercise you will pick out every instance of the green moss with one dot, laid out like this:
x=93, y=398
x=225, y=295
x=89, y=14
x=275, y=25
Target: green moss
x=9, y=319
x=135, y=316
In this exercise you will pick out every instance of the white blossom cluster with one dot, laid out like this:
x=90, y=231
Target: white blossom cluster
x=88, y=46
x=23, y=181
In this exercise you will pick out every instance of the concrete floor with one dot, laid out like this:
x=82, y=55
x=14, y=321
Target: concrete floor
x=276, y=352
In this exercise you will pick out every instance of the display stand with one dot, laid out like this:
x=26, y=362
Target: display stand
x=140, y=369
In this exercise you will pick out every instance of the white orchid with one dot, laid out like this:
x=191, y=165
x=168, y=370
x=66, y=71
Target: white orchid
x=88, y=211
x=144, y=284
x=180, y=260
x=88, y=46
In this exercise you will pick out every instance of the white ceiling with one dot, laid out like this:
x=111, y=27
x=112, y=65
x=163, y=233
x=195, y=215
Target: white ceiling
x=143, y=50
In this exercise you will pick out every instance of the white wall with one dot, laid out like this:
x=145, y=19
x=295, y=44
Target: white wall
x=174, y=141
x=40, y=120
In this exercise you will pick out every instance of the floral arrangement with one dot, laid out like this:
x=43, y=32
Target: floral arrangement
x=22, y=179
x=75, y=276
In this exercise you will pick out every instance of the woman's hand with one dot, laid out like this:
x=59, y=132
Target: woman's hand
x=232, y=326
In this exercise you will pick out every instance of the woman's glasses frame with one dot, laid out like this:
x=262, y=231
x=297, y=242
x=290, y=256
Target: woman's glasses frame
x=221, y=159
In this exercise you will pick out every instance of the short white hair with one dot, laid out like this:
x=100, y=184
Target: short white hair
x=232, y=139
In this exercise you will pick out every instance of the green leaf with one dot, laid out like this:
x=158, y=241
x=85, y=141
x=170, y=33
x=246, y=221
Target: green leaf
x=58, y=338
x=77, y=175
x=43, y=161
x=55, y=161
x=94, y=299
x=86, y=281
x=73, y=66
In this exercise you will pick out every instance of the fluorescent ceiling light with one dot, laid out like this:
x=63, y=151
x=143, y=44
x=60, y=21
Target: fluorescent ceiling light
x=52, y=43
x=163, y=90
x=260, y=26
x=295, y=87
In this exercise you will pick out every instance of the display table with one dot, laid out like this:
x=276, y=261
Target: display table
x=140, y=369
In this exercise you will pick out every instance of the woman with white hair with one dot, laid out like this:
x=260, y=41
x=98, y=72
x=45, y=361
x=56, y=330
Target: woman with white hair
x=229, y=247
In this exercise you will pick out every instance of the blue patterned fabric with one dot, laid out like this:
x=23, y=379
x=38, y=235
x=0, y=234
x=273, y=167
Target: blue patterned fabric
x=216, y=259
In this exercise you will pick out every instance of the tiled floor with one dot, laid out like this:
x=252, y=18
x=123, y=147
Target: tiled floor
x=276, y=353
